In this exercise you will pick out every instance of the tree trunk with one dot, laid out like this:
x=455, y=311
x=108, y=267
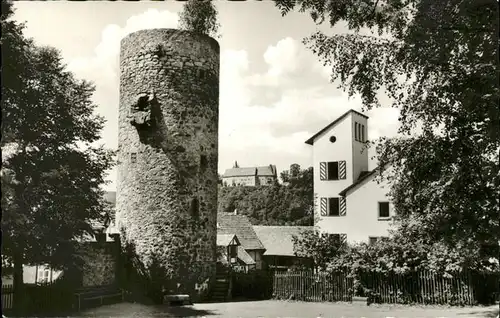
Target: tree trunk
x=18, y=284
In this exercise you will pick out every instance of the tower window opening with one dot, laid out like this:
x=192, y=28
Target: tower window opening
x=203, y=162
x=195, y=208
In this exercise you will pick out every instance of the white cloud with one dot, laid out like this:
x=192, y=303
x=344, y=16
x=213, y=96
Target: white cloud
x=267, y=131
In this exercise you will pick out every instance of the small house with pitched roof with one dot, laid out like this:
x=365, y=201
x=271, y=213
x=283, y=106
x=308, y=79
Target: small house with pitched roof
x=250, y=249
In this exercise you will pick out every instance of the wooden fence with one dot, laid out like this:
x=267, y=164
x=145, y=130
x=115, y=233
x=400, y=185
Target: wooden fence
x=425, y=287
x=37, y=299
x=7, y=297
x=307, y=286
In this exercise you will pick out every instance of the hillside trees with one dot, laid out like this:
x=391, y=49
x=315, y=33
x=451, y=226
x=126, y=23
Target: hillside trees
x=437, y=61
x=51, y=170
x=278, y=204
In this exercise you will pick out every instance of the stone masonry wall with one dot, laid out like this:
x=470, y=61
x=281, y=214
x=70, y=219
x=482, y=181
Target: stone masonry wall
x=168, y=153
x=100, y=262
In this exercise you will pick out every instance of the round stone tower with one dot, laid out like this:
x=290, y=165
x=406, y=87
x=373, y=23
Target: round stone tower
x=167, y=155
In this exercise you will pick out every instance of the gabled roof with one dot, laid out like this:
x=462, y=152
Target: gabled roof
x=363, y=176
x=240, y=172
x=266, y=171
x=239, y=225
x=310, y=141
x=244, y=256
x=226, y=239
x=278, y=239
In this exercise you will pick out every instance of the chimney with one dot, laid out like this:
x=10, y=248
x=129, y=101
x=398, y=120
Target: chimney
x=235, y=211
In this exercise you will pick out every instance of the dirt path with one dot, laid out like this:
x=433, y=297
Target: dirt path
x=274, y=309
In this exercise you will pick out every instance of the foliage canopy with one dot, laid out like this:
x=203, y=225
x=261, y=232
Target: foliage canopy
x=200, y=16
x=51, y=171
x=437, y=61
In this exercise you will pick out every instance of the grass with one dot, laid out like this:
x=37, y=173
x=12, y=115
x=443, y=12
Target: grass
x=273, y=308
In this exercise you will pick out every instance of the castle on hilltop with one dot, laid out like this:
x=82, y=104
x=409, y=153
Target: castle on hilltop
x=249, y=176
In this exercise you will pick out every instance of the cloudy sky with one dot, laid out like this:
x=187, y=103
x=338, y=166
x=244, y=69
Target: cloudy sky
x=274, y=93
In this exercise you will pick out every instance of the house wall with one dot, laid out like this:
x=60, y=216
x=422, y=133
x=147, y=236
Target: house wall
x=245, y=180
x=359, y=154
x=266, y=180
x=325, y=151
x=278, y=262
x=361, y=220
x=257, y=257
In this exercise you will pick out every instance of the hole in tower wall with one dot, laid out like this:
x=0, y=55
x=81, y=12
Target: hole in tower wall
x=195, y=208
x=142, y=103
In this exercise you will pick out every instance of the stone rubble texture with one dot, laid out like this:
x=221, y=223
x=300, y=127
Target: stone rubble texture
x=99, y=266
x=167, y=170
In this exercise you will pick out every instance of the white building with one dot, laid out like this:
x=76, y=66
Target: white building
x=349, y=203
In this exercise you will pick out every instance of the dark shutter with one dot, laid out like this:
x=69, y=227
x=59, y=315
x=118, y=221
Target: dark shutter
x=343, y=207
x=322, y=171
x=324, y=207
x=343, y=238
x=342, y=170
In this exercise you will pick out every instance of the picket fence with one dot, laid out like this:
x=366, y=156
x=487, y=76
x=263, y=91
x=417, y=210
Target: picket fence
x=38, y=298
x=7, y=297
x=307, y=286
x=424, y=287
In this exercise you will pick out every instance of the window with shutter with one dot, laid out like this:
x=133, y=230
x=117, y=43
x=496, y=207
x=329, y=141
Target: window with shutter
x=333, y=170
x=355, y=131
x=363, y=133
